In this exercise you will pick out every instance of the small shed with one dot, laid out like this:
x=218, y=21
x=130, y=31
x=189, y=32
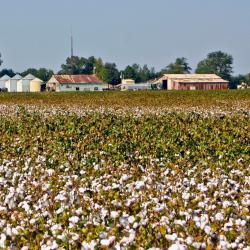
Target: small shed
x=3, y=81
x=35, y=85
x=11, y=84
x=23, y=85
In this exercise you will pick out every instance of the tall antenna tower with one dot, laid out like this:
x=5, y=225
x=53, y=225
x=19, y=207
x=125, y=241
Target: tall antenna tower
x=72, y=45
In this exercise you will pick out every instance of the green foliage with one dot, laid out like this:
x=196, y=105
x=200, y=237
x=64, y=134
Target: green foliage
x=138, y=73
x=180, y=66
x=218, y=63
x=110, y=74
x=8, y=72
x=42, y=73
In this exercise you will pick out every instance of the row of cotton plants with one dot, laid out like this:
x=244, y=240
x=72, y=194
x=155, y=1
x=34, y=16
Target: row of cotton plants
x=139, y=178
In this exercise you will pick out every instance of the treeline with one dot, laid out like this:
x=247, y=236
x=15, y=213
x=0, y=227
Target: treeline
x=218, y=62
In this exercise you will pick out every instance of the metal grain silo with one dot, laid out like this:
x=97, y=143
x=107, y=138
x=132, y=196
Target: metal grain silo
x=11, y=84
x=35, y=85
x=3, y=81
x=23, y=85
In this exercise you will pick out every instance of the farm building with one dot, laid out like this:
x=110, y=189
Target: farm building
x=75, y=83
x=125, y=84
x=129, y=84
x=11, y=84
x=23, y=85
x=192, y=82
x=3, y=81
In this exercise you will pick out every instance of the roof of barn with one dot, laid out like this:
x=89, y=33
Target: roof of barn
x=76, y=79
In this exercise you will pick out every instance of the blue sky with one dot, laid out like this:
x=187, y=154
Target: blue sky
x=36, y=33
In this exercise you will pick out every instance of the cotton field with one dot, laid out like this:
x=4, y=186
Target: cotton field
x=127, y=178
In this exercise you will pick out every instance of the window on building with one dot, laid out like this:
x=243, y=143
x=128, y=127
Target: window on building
x=77, y=88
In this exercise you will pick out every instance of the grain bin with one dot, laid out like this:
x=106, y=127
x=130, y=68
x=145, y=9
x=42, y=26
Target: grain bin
x=35, y=85
x=23, y=85
x=3, y=81
x=11, y=84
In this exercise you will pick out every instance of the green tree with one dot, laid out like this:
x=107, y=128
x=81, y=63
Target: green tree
x=180, y=66
x=42, y=73
x=74, y=66
x=78, y=65
x=8, y=72
x=110, y=74
x=131, y=72
x=138, y=73
x=218, y=63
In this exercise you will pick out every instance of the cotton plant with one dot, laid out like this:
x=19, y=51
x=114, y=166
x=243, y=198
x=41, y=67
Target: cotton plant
x=145, y=178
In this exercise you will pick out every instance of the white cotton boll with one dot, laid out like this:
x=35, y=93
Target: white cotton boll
x=131, y=219
x=3, y=209
x=107, y=242
x=219, y=217
x=197, y=245
x=8, y=231
x=114, y=214
x=79, y=211
x=136, y=225
x=2, y=240
x=171, y=237
x=185, y=196
x=54, y=245
x=177, y=246
x=82, y=190
x=207, y=230
x=56, y=227
x=15, y=231
x=25, y=248
x=60, y=197
x=59, y=210
x=226, y=204
x=139, y=185
x=74, y=219
x=61, y=237
x=75, y=237
x=50, y=172
x=103, y=235
x=189, y=240
x=117, y=246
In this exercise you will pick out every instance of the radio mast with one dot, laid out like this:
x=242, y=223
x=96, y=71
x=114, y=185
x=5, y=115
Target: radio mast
x=72, y=45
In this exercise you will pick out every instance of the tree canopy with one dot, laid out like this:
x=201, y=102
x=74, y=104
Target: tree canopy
x=180, y=66
x=218, y=63
x=138, y=73
x=110, y=74
x=8, y=72
x=42, y=73
x=78, y=65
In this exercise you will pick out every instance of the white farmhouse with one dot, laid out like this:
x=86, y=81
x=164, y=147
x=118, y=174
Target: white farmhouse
x=75, y=83
x=11, y=84
x=3, y=81
x=23, y=85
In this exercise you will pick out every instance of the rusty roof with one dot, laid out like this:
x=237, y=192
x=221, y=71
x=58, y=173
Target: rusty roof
x=76, y=79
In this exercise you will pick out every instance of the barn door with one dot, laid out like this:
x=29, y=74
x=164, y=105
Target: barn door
x=165, y=84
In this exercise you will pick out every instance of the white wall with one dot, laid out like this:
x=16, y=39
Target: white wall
x=82, y=87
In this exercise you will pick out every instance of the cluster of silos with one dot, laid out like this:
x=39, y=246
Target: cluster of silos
x=18, y=83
